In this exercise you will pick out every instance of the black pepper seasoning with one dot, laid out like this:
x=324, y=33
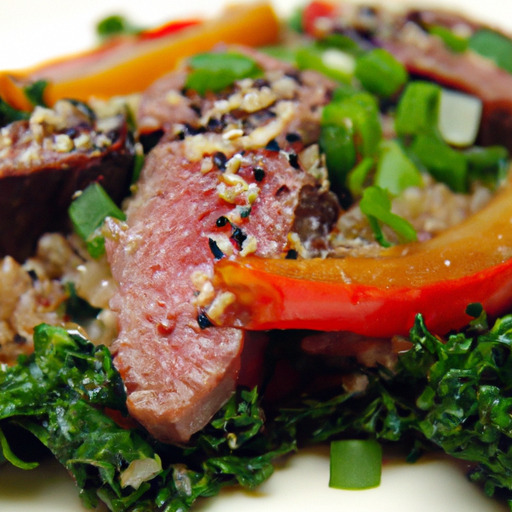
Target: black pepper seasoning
x=238, y=236
x=220, y=159
x=221, y=221
x=293, y=137
x=293, y=158
x=259, y=173
x=272, y=145
x=203, y=320
x=214, y=248
x=292, y=254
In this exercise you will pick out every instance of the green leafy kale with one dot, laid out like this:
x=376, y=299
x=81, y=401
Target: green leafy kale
x=454, y=395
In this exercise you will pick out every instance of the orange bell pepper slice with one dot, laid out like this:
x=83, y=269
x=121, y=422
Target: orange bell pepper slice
x=130, y=64
x=380, y=296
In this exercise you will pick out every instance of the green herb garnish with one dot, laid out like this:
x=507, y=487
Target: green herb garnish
x=376, y=205
x=216, y=71
x=35, y=92
x=88, y=212
x=494, y=46
x=380, y=73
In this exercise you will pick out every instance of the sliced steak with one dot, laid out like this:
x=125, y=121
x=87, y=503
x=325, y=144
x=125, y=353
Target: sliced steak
x=230, y=186
x=45, y=160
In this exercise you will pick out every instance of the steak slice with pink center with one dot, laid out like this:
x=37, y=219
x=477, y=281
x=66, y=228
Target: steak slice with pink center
x=214, y=193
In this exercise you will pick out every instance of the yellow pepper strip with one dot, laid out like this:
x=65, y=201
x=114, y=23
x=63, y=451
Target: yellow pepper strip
x=130, y=64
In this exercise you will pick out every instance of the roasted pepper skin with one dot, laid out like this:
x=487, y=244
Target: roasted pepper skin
x=380, y=296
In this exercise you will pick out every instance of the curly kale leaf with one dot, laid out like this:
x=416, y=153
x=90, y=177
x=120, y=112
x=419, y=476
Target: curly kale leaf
x=453, y=394
x=65, y=394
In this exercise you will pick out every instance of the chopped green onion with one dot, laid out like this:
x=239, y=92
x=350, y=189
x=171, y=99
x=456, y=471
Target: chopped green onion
x=488, y=164
x=358, y=175
x=355, y=464
x=444, y=163
x=216, y=71
x=380, y=73
x=395, y=170
x=351, y=129
x=280, y=52
x=376, y=205
x=138, y=164
x=450, y=39
x=88, y=212
x=418, y=108
x=362, y=112
x=494, y=46
x=459, y=117
x=337, y=143
x=333, y=63
x=340, y=41
x=344, y=91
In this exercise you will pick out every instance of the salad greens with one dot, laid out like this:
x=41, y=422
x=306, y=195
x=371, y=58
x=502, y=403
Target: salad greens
x=455, y=396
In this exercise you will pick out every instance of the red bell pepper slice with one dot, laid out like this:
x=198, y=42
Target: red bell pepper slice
x=380, y=296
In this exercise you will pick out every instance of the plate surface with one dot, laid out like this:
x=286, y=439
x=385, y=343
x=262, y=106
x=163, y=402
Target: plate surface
x=33, y=31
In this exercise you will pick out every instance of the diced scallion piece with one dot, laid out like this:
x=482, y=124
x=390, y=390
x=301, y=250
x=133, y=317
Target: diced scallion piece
x=331, y=62
x=362, y=112
x=380, y=72
x=488, y=164
x=280, y=52
x=358, y=175
x=355, y=464
x=395, y=170
x=340, y=41
x=444, y=163
x=376, y=205
x=451, y=39
x=88, y=212
x=418, y=109
x=494, y=46
x=459, y=117
x=216, y=71
x=338, y=145
x=351, y=130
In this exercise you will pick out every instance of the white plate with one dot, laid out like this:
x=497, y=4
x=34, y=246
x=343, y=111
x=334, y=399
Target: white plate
x=30, y=31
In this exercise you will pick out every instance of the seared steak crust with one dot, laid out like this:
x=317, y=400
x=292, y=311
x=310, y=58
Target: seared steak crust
x=44, y=161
